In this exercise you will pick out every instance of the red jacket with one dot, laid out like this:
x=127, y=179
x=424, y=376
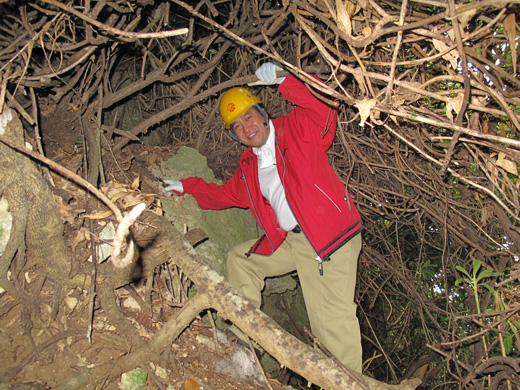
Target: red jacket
x=324, y=209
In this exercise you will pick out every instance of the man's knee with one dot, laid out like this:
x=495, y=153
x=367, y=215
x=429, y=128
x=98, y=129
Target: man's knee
x=233, y=267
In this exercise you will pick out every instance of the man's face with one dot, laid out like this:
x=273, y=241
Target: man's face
x=250, y=128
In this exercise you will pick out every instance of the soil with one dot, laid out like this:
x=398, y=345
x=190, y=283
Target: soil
x=39, y=352
x=195, y=359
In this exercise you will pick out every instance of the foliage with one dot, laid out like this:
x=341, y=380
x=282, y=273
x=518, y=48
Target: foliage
x=434, y=169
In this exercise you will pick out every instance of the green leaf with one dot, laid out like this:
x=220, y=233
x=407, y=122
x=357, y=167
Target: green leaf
x=512, y=326
x=485, y=274
x=490, y=289
x=476, y=266
x=508, y=343
x=460, y=269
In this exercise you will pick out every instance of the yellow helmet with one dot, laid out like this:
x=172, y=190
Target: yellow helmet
x=235, y=102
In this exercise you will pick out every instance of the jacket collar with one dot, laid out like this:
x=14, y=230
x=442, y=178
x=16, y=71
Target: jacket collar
x=266, y=153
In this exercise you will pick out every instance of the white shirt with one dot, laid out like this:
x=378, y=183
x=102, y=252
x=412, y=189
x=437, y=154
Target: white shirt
x=270, y=183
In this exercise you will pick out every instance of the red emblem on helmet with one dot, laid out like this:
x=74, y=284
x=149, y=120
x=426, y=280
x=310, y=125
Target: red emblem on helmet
x=231, y=107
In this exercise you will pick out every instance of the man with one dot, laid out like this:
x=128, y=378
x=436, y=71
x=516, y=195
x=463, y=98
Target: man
x=310, y=222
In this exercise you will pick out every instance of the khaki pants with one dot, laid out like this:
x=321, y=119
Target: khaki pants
x=329, y=299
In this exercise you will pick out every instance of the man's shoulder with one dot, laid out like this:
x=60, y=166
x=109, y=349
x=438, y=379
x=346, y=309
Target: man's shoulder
x=247, y=159
x=247, y=156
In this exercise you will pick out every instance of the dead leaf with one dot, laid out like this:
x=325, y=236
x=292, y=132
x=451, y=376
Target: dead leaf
x=510, y=29
x=135, y=184
x=507, y=165
x=485, y=215
x=66, y=212
x=365, y=108
x=420, y=372
x=191, y=385
x=474, y=120
x=366, y=32
x=452, y=56
x=98, y=215
x=394, y=119
x=479, y=101
x=363, y=3
x=485, y=127
x=343, y=17
x=502, y=129
x=131, y=200
x=361, y=82
x=158, y=207
x=454, y=104
x=117, y=191
x=352, y=8
x=123, y=192
x=465, y=17
x=160, y=372
x=398, y=100
x=79, y=238
x=515, y=271
x=320, y=4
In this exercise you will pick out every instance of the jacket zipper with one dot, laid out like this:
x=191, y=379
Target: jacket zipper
x=318, y=258
x=257, y=217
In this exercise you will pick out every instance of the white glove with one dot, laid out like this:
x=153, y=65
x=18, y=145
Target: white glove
x=173, y=188
x=266, y=73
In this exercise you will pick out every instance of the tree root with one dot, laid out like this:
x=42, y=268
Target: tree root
x=9, y=374
x=37, y=232
x=161, y=243
x=214, y=292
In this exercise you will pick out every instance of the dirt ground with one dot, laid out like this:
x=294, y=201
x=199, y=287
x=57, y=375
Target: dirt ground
x=40, y=353
x=196, y=359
